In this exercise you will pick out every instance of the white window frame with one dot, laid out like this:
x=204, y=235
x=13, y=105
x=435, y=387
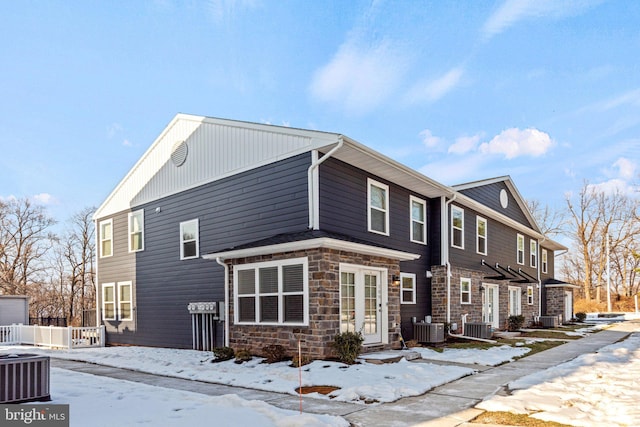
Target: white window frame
x=129, y=301
x=412, y=289
x=280, y=294
x=463, y=281
x=454, y=228
x=197, y=239
x=533, y=256
x=520, y=251
x=423, y=221
x=102, y=238
x=131, y=216
x=545, y=261
x=517, y=310
x=479, y=220
x=104, y=303
x=529, y=295
x=384, y=209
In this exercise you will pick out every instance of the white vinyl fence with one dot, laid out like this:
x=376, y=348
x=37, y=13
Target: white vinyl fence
x=52, y=336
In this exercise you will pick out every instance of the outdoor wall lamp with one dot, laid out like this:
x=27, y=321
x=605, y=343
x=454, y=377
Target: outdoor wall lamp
x=395, y=280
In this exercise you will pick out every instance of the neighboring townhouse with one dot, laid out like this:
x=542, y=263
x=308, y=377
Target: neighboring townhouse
x=244, y=234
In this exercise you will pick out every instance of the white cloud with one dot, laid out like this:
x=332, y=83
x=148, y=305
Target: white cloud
x=429, y=140
x=359, y=78
x=453, y=171
x=513, y=11
x=515, y=143
x=626, y=168
x=464, y=144
x=44, y=199
x=127, y=143
x=432, y=90
x=614, y=186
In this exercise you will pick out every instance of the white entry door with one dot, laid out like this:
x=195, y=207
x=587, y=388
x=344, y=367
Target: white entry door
x=361, y=307
x=490, y=305
x=568, y=306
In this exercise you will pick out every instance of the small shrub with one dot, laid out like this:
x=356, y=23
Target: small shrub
x=222, y=354
x=297, y=362
x=580, y=317
x=243, y=356
x=274, y=353
x=348, y=346
x=516, y=322
x=412, y=343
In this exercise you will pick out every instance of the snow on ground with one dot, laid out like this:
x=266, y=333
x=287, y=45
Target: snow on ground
x=592, y=390
x=492, y=356
x=102, y=401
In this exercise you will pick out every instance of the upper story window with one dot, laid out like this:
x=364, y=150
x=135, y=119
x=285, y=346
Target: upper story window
x=136, y=231
x=189, y=239
x=533, y=248
x=407, y=288
x=481, y=235
x=457, y=227
x=418, y=220
x=545, y=261
x=274, y=292
x=378, y=218
x=520, y=248
x=465, y=291
x=106, y=238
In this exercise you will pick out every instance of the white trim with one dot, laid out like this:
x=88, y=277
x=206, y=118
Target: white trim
x=480, y=219
x=411, y=276
x=120, y=301
x=130, y=231
x=101, y=239
x=467, y=280
x=520, y=237
x=530, y=295
x=518, y=301
x=280, y=294
x=533, y=253
x=115, y=312
x=197, y=239
x=423, y=203
x=563, y=285
x=545, y=261
x=321, y=242
x=461, y=210
x=384, y=209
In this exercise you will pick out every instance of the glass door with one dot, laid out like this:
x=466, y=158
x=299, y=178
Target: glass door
x=490, y=312
x=361, y=303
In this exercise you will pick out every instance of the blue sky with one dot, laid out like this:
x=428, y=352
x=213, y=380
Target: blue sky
x=545, y=91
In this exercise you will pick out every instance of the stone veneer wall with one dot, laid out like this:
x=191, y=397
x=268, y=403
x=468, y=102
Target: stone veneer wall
x=324, y=305
x=555, y=302
x=474, y=310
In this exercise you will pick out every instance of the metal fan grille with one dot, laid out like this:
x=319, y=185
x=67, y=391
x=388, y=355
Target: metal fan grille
x=179, y=153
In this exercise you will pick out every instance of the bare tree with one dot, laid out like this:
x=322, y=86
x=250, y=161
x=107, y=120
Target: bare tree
x=550, y=221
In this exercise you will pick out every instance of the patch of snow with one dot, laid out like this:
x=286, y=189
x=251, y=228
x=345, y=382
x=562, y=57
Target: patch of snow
x=491, y=356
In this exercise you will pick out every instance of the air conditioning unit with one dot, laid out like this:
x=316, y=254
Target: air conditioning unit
x=25, y=378
x=478, y=330
x=428, y=332
x=549, y=321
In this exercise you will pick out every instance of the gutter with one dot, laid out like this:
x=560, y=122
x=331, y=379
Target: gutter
x=312, y=183
x=226, y=300
x=445, y=249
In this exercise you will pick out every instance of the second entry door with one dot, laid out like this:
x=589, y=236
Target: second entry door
x=361, y=307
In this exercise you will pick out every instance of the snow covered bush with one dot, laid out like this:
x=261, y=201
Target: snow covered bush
x=348, y=346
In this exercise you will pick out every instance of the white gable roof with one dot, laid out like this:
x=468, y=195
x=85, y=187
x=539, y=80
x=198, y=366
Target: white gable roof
x=215, y=148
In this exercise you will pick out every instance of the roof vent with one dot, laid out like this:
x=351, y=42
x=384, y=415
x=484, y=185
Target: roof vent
x=179, y=153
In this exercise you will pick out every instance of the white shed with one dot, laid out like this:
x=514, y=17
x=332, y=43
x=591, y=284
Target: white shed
x=14, y=309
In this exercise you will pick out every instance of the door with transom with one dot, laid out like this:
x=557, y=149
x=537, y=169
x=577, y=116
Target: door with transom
x=361, y=307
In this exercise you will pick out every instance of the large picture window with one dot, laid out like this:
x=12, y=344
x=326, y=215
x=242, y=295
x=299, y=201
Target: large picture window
x=273, y=292
x=378, y=217
x=457, y=227
x=189, y=239
x=418, y=220
x=106, y=238
x=136, y=231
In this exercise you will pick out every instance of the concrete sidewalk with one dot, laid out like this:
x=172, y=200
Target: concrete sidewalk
x=445, y=406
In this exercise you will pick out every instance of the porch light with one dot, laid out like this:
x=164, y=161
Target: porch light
x=395, y=280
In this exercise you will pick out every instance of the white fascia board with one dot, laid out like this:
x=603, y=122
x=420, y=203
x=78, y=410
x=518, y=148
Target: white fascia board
x=563, y=285
x=322, y=242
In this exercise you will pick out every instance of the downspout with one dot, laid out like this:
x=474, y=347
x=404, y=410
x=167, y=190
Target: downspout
x=312, y=183
x=98, y=287
x=445, y=249
x=226, y=300
x=539, y=278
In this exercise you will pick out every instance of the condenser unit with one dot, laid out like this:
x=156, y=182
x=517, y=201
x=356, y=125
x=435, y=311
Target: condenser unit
x=549, y=321
x=478, y=330
x=428, y=332
x=24, y=378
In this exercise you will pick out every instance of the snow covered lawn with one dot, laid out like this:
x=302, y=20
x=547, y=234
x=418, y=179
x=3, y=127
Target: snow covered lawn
x=101, y=401
x=492, y=356
x=594, y=389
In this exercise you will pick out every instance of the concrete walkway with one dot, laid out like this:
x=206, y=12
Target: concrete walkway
x=446, y=406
